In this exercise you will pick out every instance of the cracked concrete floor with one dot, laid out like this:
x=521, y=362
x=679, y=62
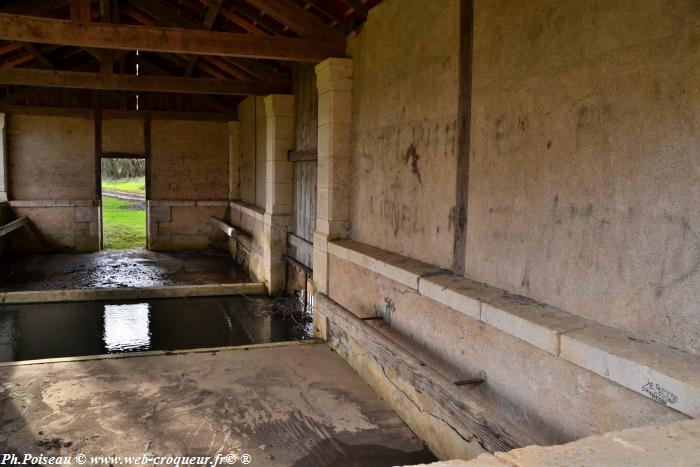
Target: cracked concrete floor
x=285, y=404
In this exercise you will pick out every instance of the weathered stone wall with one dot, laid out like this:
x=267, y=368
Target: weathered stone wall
x=51, y=171
x=189, y=184
x=583, y=189
x=405, y=75
x=582, y=177
x=583, y=172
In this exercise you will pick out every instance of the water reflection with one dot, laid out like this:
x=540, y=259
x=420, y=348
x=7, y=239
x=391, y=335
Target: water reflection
x=127, y=327
x=48, y=330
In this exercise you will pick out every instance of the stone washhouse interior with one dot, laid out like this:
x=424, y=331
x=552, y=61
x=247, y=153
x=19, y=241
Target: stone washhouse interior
x=350, y=233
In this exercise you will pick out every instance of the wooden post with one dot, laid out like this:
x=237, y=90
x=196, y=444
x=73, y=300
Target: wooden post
x=459, y=249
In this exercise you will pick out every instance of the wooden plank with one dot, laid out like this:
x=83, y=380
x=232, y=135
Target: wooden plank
x=165, y=40
x=14, y=225
x=304, y=217
x=85, y=112
x=459, y=248
x=229, y=230
x=298, y=19
x=462, y=413
x=305, y=107
x=116, y=82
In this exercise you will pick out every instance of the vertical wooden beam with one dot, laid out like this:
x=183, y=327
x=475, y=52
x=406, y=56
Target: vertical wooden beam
x=148, y=151
x=98, y=170
x=80, y=11
x=459, y=215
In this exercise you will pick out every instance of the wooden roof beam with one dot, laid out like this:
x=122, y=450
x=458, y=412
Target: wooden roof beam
x=165, y=40
x=116, y=82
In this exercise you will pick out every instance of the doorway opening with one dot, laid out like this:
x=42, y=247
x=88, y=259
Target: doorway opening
x=123, y=203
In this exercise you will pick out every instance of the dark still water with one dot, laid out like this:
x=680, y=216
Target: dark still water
x=51, y=330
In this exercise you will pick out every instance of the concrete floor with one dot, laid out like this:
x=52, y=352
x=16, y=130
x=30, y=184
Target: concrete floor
x=118, y=268
x=286, y=404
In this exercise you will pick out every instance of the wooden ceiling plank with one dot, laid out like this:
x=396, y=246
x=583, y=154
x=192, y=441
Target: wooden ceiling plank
x=164, y=15
x=167, y=40
x=329, y=11
x=357, y=6
x=118, y=82
x=204, y=99
x=298, y=19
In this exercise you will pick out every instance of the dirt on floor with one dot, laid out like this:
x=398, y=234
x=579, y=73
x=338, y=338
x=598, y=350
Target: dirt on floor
x=118, y=268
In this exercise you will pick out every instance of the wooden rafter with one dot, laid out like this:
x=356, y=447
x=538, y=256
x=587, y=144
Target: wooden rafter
x=168, y=40
x=38, y=55
x=82, y=80
x=209, y=18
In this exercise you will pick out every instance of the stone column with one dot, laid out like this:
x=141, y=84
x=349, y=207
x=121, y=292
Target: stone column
x=4, y=188
x=279, y=111
x=334, y=82
x=234, y=161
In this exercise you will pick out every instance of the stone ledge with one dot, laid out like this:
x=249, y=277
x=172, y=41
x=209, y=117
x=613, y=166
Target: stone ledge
x=132, y=293
x=248, y=209
x=647, y=446
x=668, y=376
x=54, y=203
x=401, y=269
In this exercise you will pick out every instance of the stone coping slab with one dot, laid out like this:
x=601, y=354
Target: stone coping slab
x=669, y=376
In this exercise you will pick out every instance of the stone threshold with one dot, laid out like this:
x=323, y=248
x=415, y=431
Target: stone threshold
x=666, y=375
x=186, y=203
x=158, y=353
x=132, y=293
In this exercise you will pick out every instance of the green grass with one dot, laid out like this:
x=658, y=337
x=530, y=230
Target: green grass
x=123, y=226
x=132, y=185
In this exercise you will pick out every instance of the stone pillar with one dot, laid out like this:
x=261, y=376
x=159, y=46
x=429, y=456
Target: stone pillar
x=334, y=82
x=279, y=131
x=4, y=188
x=234, y=161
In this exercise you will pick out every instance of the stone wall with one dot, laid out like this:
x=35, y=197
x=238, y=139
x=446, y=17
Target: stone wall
x=51, y=172
x=584, y=170
x=405, y=75
x=189, y=184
